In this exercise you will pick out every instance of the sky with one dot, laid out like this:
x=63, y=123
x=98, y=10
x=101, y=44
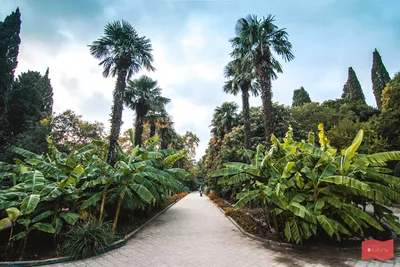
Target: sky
x=190, y=40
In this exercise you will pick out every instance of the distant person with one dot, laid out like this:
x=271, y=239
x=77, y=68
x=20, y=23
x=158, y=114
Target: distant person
x=201, y=190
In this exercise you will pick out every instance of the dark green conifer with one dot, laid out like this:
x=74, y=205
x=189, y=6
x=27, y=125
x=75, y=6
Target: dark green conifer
x=352, y=91
x=9, y=47
x=380, y=77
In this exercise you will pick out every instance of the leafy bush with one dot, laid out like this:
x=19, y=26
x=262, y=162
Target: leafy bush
x=308, y=190
x=52, y=192
x=88, y=239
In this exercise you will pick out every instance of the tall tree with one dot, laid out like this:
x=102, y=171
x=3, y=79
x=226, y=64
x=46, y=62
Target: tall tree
x=242, y=78
x=122, y=53
x=46, y=91
x=380, y=77
x=391, y=95
x=167, y=132
x=143, y=95
x=70, y=132
x=224, y=119
x=29, y=100
x=300, y=97
x=352, y=91
x=255, y=40
x=9, y=47
x=190, y=143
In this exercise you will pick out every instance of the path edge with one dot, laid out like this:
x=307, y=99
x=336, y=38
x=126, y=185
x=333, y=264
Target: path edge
x=115, y=245
x=279, y=244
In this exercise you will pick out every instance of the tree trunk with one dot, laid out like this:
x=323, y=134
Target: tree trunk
x=117, y=214
x=264, y=73
x=116, y=115
x=246, y=115
x=164, y=143
x=138, y=130
x=152, y=129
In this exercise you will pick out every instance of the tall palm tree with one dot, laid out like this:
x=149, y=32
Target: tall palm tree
x=167, y=131
x=122, y=53
x=143, y=95
x=255, y=41
x=224, y=119
x=156, y=113
x=242, y=78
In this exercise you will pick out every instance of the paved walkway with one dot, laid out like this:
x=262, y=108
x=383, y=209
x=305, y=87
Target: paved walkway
x=195, y=233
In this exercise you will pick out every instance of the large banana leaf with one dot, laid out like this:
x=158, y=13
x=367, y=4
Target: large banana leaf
x=13, y=214
x=346, y=181
x=34, y=181
x=292, y=231
x=362, y=215
x=225, y=172
x=234, y=179
x=29, y=204
x=301, y=211
x=350, y=152
x=92, y=200
x=143, y=193
x=45, y=227
x=352, y=222
x=70, y=217
x=41, y=216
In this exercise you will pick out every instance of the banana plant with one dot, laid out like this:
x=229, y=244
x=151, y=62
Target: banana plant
x=12, y=216
x=310, y=188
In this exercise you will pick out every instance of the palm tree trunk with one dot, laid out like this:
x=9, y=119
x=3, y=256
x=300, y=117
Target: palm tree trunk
x=138, y=130
x=116, y=115
x=152, y=129
x=246, y=115
x=164, y=143
x=263, y=71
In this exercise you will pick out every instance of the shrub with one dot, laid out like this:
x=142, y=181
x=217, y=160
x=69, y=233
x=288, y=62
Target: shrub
x=88, y=239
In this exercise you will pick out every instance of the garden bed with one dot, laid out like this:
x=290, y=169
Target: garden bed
x=252, y=222
x=41, y=246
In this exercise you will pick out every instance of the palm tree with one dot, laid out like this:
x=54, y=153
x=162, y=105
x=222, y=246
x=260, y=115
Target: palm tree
x=143, y=95
x=242, y=78
x=167, y=131
x=255, y=41
x=122, y=53
x=224, y=119
x=156, y=113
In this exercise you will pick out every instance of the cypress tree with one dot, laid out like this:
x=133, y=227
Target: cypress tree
x=380, y=77
x=9, y=47
x=300, y=97
x=352, y=91
x=45, y=90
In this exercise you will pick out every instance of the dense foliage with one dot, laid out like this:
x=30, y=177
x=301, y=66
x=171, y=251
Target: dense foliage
x=300, y=97
x=53, y=192
x=307, y=189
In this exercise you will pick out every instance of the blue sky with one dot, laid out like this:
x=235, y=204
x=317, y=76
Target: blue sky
x=190, y=41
